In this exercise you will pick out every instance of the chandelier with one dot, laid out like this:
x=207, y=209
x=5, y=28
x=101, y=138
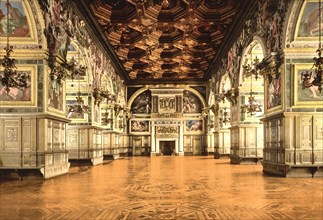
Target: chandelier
x=224, y=119
x=318, y=61
x=253, y=68
x=252, y=107
x=77, y=70
x=110, y=100
x=10, y=78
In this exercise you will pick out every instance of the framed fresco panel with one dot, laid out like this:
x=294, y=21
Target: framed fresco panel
x=194, y=126
x=83, y=117
x=273, y=92
x=306, y=91
x=307, y=25
x=24, y=96
x=139, y=126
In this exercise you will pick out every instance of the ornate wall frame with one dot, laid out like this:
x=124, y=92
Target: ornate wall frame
x=13, y=97
x=304, y=94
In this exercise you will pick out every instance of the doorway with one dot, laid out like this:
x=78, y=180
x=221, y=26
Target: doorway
x=167, y=147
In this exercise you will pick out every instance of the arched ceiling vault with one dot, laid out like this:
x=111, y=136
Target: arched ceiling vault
x=153, y=41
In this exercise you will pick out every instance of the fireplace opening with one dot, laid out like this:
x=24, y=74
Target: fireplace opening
x=167, y=147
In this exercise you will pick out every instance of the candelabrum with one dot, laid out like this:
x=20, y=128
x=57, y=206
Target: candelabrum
x=253, y=69
x=252, y=107
x=225, y=118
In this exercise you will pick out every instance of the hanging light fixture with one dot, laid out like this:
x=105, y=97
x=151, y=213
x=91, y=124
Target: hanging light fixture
x=224, y=119
x=253, y=68
x=77, y=70
x=10, y=78
x=252, y=107
x=318, y=61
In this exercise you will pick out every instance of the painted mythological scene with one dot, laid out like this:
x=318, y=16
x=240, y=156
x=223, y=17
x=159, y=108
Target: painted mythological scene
x=191, y=104
x=309, y=26
x=142, y=103
x=308, y=86
x=274, y=93
x=18, y=25
x=55, y=95
x=21, y=94
x=194, y=125
x=139, y=126
x=71, y=114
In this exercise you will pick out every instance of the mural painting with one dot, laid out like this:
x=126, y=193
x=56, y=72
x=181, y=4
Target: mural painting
x=274, y=93
x=309, y=26
x=191, y=104
x=194, y=125
x=21, y=94
x=139, y=126
x=55, y=95
x=142, y=103
x=18, y=25
x=307, y=85
x=74, y=114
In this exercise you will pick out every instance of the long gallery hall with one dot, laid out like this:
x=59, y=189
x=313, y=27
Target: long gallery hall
x=161, y=109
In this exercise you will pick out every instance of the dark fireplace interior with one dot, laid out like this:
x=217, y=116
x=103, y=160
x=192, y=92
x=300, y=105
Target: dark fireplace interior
x=167, y=147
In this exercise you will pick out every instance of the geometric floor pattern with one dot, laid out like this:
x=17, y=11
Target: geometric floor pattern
x=162, y=188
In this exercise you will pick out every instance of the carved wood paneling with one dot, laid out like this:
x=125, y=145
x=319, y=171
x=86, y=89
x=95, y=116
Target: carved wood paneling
x=12, y=133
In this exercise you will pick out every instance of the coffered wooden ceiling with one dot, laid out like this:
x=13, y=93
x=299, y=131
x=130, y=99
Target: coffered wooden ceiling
x=167, y=40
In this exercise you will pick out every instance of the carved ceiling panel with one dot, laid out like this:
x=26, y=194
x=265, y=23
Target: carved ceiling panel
x=165, y=39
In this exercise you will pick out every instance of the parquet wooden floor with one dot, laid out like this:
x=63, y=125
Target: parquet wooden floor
x=162, y=188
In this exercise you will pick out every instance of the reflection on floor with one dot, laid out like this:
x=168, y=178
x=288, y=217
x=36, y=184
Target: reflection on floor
x=163, y=188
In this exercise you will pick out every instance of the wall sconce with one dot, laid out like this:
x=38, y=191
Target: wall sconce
x=271, y=70
x=231, y=95
x=98, y=98
x=127, y=113
x=117, y=109
x=110, y=98
x=205, y=112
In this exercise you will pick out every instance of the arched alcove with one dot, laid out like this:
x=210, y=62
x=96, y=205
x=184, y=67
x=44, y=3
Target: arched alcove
x=223, y=112
x=247, y=129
